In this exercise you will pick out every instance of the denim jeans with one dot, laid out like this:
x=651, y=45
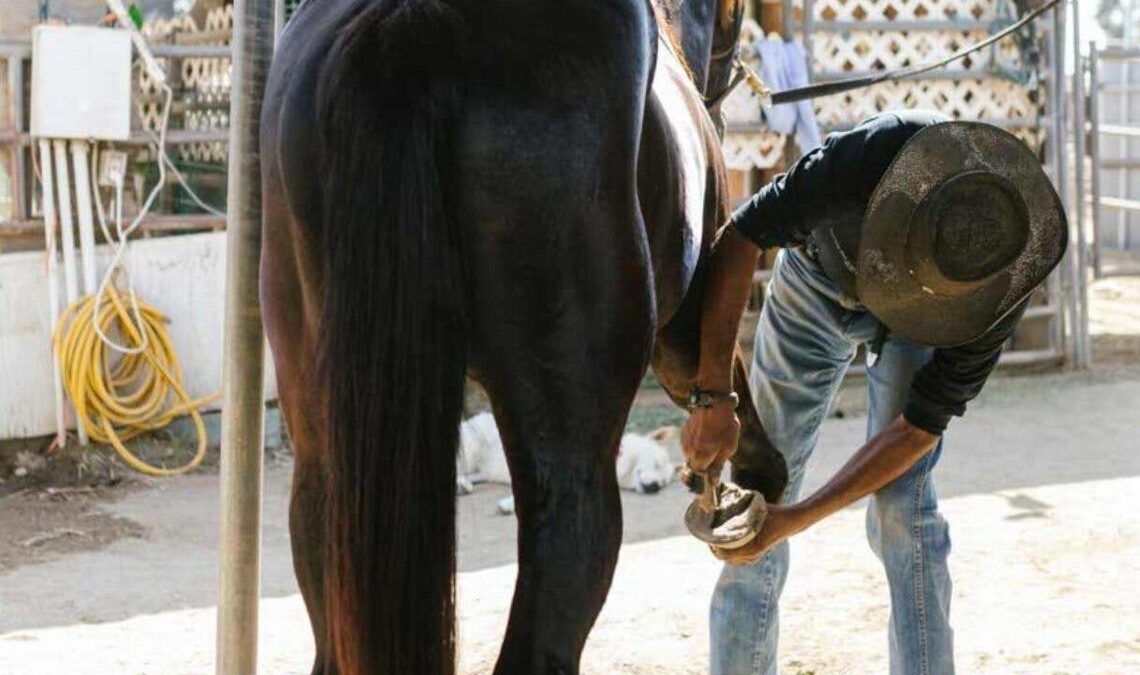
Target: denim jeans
x=807, y=336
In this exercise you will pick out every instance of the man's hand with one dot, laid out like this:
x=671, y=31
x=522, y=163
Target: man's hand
x=781, y=523
x=882, y=459
x=709, y=438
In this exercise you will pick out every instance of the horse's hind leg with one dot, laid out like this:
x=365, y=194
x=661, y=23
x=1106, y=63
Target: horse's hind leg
x=292, y=337
x=300, y=406
x=306, y=532
x=563, y=329
x=561, y=408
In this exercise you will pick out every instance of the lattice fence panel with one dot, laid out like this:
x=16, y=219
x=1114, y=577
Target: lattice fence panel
x=998, y=84
x=862, y=51
x=761, y=149
x=903, y=10
x=989, y=99
x=201, y=99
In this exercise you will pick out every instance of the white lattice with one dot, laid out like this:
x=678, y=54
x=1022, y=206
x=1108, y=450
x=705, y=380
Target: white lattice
x=204, y=84
x=756, y=149
x=747, y=143
x=220, y=19
x=864, y=51
x=741, y=109
x=992, y=99
x=903, y=10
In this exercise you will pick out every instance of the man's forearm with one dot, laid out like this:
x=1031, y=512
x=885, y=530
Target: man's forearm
x=881, y=460
x=726, y=294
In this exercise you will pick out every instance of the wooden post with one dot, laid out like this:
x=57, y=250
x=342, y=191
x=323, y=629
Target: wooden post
x=243, y=408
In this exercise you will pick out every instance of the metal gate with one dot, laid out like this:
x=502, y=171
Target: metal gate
x=1114, y=149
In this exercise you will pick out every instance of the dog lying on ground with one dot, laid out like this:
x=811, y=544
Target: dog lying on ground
x=643, y=463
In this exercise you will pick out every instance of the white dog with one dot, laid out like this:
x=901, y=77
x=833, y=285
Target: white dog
x=643, y=464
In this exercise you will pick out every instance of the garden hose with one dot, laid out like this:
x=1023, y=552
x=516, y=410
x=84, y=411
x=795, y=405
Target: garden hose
x=116, y=400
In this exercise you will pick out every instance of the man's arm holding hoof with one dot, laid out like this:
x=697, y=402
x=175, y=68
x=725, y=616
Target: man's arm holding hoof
x=888, y=455
x=941, y=390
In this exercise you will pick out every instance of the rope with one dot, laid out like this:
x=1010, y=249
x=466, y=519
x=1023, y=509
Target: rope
x=142, y=392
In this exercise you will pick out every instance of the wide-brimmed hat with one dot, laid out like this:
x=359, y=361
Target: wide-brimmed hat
x=963, y=225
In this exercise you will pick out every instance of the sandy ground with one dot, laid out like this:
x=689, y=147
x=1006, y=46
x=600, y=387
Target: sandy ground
x=1039, y=482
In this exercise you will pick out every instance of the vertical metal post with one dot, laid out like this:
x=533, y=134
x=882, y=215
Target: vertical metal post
x=243, y=407
x=1094, y=155
x=1057, y=52
x=1080, y=260
x=278, y=18
x=1124, y=181
x=1053, y=284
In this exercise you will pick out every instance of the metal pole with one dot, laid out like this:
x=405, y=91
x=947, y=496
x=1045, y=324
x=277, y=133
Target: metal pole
x=1053, y=284
x=1057, y=51
x=1080, y=260
x=1124, y=178
x=1094, y=156
x=242, y=404
x=278, y=18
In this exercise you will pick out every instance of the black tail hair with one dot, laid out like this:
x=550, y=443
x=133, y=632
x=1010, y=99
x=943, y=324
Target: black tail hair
x=393, y=352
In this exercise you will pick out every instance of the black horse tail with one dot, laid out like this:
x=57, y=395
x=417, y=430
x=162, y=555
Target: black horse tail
x=394, y=338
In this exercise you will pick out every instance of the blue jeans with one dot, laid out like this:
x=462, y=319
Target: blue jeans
x=808, y=334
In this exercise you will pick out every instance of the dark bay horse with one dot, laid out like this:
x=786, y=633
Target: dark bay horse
x=520, y=192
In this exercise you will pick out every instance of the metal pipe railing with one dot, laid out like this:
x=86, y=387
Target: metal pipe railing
x=1120, y=203
x=1120, y=130
x=1120, y=54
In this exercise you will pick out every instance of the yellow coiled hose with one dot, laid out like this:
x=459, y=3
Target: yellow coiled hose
x=116, y=400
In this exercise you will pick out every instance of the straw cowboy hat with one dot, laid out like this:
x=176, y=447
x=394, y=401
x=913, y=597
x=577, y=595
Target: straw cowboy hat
x=963, y=225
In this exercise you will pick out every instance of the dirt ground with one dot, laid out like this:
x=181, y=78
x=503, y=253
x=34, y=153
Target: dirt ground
x=1039, y=483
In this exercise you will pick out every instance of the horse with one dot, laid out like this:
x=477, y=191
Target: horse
x=520, y=193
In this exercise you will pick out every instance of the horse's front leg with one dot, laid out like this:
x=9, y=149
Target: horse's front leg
x=756, y=464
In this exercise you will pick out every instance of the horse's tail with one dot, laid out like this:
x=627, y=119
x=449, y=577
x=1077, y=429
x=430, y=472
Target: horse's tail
x=393, y=350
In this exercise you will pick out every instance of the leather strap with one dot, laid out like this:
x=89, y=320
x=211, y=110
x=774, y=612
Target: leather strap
x=711, y=399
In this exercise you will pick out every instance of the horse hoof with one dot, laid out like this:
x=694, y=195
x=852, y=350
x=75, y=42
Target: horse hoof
x=728, y=520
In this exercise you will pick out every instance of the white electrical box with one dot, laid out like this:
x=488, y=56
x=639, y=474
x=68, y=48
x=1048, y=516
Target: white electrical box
x=81, y=83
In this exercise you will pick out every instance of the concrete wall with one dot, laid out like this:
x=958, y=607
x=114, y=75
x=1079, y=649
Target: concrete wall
x=183, y=277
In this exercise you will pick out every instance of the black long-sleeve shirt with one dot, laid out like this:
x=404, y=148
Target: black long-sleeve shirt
x=833, y=183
